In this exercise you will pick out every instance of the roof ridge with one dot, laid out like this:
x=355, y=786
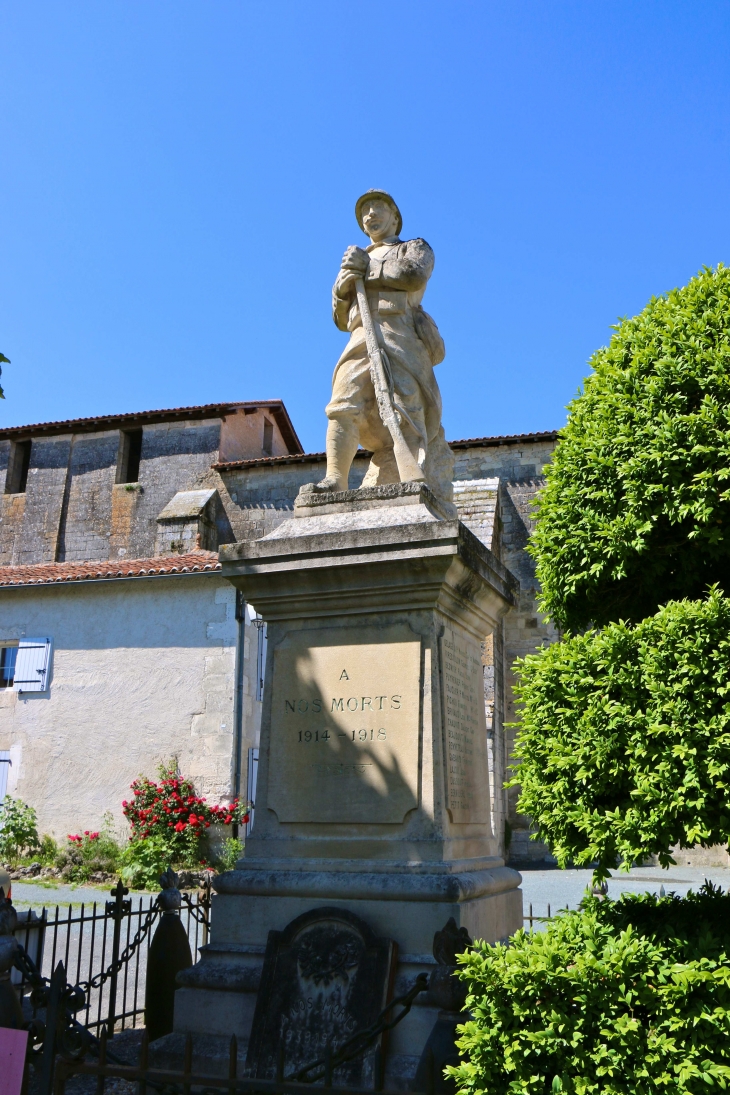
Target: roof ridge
x=196, y=561
x=201, y=410
x=304, y=457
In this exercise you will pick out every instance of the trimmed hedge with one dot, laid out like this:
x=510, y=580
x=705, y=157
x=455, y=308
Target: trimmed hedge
x=636, y=510
x=625, y=737
x=628, y=998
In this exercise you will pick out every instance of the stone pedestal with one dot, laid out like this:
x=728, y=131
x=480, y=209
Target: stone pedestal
x=373, y=786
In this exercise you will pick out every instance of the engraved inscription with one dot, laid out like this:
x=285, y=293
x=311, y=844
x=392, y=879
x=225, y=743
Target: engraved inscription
x=345, y=726
x=465, y=731
x=342, y=769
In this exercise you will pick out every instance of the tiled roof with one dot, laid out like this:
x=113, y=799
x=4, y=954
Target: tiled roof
x=112, y=421
x=42, y=574
x=302, y=458
x=506, y=439
x=306, y=457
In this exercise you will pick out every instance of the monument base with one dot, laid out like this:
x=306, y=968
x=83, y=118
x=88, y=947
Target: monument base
x=373, y=786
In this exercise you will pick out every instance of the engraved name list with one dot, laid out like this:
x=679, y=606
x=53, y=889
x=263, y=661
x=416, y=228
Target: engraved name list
x=465, y=729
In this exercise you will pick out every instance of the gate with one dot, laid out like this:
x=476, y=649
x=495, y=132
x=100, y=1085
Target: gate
x=104, y=949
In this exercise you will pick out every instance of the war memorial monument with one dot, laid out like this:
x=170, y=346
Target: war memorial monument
x=373, y=786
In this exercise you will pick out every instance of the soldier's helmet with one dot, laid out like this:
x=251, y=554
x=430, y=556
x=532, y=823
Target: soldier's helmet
x=383, y=195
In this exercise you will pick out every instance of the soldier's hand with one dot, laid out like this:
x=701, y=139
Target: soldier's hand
x=356, y=259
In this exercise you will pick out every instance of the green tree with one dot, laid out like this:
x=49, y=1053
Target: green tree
x=625, y=737
x=636, y=510
x=6, y=361
x=625, y=732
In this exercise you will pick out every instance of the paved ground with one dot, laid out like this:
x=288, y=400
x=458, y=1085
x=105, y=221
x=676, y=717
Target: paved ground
x=558, y=888
x=541, y=888
x=36, y=894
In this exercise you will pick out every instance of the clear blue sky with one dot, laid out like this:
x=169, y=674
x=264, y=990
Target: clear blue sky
x=178, y=181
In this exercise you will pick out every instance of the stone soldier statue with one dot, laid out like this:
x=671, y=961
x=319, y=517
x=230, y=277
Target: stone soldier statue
x=395, y=274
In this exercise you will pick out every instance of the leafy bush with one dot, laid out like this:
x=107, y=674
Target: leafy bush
x=90, y=853
x=48, y=851
x=230, y=853
x=625, y=737
x=143, y=861
x=629, y=997
x=636, y=510
x=18, y=830
x=169, y=824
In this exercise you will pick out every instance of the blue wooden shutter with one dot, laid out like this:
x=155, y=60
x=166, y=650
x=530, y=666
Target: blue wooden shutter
x=4, y=771
x=31, y=665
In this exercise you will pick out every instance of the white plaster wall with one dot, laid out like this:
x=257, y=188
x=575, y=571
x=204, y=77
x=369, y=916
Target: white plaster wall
x=141, y=670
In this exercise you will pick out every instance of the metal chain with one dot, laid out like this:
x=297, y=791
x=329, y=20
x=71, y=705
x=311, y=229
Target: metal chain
x=32, y=975
x=353, y=1047
x=362, y=1039
x=103, y=976
x=198, y=912
x=29, y=970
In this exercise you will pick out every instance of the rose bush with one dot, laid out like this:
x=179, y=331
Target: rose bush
x=90, y=853
x=169, y=825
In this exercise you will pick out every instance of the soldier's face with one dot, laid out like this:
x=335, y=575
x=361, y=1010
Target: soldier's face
x=378, y=220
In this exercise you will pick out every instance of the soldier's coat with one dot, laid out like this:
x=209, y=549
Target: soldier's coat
x=395, y=283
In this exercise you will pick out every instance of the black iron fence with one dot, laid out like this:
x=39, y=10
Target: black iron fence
x=530, y=919
x=104, y=948
x=183, y=1082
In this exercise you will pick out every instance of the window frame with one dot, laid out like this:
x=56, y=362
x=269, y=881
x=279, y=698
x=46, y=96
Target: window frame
x=7, y=644
x=129, y=455
x=16, y=477
x=267, y=443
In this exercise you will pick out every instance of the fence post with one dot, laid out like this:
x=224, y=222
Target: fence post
x=11, y=1014
x=54, y=1006
x=204, y=896
x=117, y=909
x=168, y=954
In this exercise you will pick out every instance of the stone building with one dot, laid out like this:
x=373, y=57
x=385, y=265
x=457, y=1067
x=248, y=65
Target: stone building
x=121, y=645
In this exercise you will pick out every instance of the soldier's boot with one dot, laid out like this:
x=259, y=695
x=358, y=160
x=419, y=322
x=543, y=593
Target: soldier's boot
x=343, y=438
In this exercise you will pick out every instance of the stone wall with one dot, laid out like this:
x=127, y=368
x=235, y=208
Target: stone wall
x=141, y=670
x=29, y=531
x=518, y=466
x=73, y=510
x=258, y=497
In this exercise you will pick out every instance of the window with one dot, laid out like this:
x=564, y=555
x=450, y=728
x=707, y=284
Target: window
x=253, y=771
x=268, y=437
x=255, y=619
x=5, y=763
x=130, y=451
x=32, y=659
x=8, y=654
x=17, y=477
x=260, y=659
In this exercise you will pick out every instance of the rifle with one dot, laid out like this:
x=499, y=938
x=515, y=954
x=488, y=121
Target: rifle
x=408, y=469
